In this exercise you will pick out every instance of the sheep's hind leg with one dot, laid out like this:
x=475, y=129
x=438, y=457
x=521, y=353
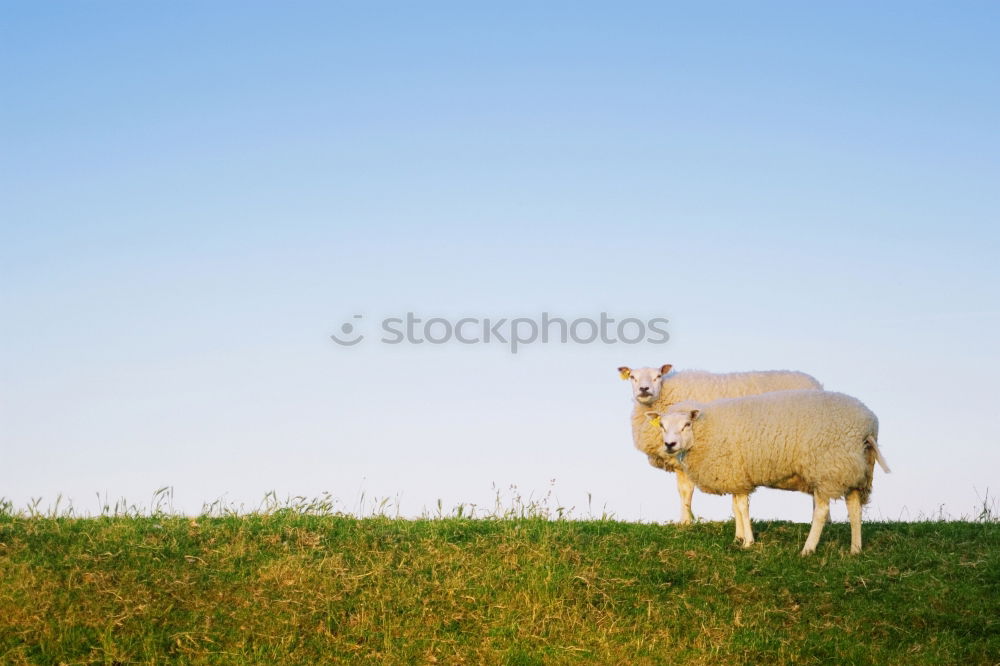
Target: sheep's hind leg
x=685, y=488
x=737, y=518
x=742, y=505
x=854, y=513
x=820, y=510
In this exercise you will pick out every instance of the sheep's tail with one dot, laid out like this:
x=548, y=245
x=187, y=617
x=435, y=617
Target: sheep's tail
x=872, y=443
x=872, y=455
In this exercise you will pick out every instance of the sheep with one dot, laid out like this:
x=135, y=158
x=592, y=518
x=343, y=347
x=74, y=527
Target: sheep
x=817, y=442
x=654, y=388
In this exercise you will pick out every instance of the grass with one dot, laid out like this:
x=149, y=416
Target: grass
x=303, y=584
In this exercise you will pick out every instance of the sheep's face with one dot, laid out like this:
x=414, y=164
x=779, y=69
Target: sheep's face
x=646, y=382
x=676, y=428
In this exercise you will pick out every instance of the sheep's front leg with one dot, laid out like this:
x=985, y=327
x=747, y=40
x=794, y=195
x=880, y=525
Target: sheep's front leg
x=821, y=508
x=854, y=513
x=741, y=504
x=737, y=518
x=685, y=488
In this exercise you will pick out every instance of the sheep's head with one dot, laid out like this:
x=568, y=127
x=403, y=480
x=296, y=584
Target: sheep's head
x=645, y=382
x=676, y=427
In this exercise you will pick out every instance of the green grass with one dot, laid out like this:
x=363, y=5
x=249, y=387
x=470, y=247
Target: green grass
x=290, y=587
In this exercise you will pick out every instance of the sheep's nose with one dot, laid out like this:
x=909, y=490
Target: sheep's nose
x=644, y=389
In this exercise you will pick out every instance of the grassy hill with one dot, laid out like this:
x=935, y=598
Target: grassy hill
x=283, y=587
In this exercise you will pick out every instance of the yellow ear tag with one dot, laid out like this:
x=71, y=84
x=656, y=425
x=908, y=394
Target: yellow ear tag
x=624, y=374
x=655, y=421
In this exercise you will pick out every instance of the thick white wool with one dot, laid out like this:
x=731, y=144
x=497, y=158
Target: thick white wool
x=813, y=441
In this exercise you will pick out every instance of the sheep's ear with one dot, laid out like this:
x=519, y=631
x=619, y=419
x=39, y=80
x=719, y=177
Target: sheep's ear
x=624, y=372
x=665, y=368
x=654, y=418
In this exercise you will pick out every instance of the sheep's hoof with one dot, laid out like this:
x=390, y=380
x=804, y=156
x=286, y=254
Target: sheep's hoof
x=855, y=550
x=747, y=544
x=807, y=552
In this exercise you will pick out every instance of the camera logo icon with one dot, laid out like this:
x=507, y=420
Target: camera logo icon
x=348, y=330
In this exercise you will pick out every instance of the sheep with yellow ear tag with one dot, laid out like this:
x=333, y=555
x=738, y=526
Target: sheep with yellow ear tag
x=818, y=442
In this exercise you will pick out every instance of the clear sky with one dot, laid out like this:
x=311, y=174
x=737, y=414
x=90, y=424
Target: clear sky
x=194, y=196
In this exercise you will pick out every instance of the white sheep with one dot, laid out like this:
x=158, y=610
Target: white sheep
x=654, y=388
x=816, y=442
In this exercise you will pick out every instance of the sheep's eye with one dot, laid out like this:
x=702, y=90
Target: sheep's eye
x=687, y=425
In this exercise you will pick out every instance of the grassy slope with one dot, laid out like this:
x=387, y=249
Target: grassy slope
x=303, y=589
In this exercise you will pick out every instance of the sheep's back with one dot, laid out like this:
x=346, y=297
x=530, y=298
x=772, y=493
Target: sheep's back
x=708, y=386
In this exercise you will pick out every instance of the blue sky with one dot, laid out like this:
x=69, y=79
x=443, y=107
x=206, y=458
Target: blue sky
x=194, y=196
